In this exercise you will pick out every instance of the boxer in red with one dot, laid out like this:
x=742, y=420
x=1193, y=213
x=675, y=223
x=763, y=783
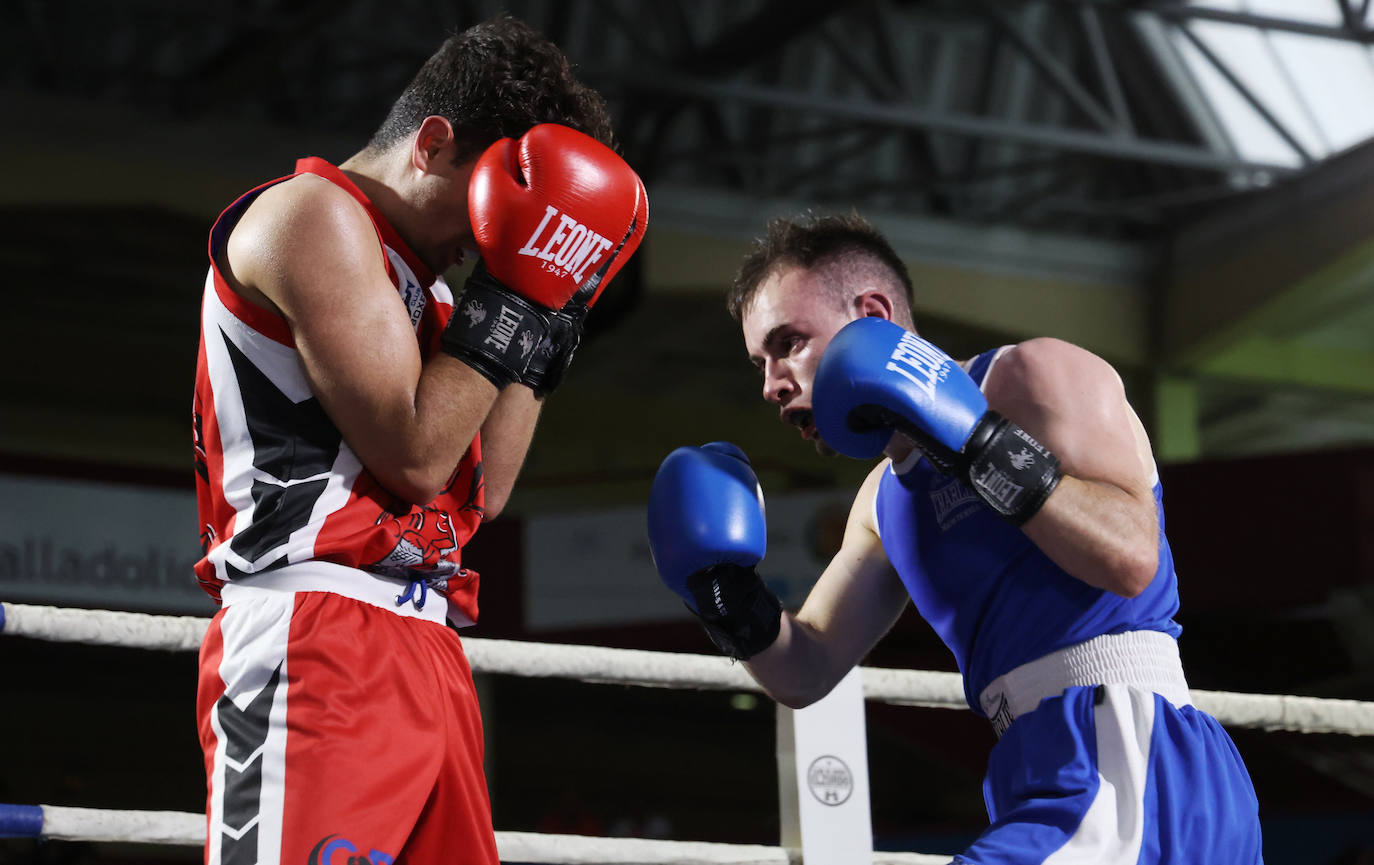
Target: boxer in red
x=354, y=424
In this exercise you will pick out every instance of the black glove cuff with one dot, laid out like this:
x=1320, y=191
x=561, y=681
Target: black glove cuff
x=555, y=352
x=1009, y=470
x=740, y=615
x=493, y=329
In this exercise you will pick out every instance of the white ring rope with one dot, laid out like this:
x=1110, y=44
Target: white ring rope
x=104, y=627
x=673, y=669
x=608, y=666
x=188, y=830
x=146, y=827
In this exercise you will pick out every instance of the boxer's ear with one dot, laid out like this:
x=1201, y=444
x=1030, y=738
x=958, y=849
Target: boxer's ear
x=873, y=304
x=431, y=139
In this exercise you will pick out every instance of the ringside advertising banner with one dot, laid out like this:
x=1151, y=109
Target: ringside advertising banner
x=111, y=546
x=594, y=569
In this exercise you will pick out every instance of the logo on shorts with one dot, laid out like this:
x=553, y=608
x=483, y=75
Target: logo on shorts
x=336, y=850
x=830, y=780
x=1000, y=717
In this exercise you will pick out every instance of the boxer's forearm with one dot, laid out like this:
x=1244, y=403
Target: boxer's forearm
x=506, y=437
x=1099, y=533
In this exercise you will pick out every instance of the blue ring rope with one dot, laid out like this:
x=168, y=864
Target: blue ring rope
x=21, y=821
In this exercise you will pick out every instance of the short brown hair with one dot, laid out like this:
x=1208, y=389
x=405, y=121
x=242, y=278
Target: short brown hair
x=495, y=80
x=809, y=241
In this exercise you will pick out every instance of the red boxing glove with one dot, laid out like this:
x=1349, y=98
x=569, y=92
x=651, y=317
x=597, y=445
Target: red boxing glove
x=556, y=214
x=555, y=351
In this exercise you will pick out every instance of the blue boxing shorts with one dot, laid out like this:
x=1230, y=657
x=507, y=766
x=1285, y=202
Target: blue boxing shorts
x=1116, y=775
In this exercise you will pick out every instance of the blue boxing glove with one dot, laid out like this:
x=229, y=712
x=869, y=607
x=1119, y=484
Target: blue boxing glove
x=876, y=377
x=706, y=534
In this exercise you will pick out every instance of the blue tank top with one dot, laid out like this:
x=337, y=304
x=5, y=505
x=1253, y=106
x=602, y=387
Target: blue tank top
x=990, y=594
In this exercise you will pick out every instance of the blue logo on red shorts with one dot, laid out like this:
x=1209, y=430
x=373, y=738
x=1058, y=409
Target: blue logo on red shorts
x=327, y=853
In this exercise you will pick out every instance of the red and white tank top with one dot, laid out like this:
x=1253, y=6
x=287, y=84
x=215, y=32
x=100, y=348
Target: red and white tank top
x=278, y=489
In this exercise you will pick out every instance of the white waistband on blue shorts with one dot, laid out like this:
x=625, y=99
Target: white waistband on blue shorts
x=364, y=586
x=1141, y=659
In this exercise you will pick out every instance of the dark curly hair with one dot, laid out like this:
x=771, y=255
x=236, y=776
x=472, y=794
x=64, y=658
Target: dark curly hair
x=495, y=80
x=846, y=244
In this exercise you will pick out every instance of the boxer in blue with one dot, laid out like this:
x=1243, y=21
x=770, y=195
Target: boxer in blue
x=1018, y=507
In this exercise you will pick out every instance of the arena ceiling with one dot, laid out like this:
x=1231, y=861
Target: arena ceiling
x=1083, y=115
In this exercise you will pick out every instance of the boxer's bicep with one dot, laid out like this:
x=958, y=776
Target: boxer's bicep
x=1100, y=523
x=313, y=253
x=1074, y=403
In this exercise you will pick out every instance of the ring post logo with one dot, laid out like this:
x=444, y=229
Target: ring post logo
x=829, y=780
x=336, y=850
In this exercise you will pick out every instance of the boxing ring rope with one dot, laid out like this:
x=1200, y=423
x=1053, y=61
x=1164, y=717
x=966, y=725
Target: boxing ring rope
x=589, y=664
x=188, y=830
x=672, y=669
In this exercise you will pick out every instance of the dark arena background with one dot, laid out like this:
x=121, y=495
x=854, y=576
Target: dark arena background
x=1184, y=188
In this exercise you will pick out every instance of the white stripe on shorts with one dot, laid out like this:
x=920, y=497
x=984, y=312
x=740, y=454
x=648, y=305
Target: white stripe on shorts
x=1114, y=824
x=255, y=635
